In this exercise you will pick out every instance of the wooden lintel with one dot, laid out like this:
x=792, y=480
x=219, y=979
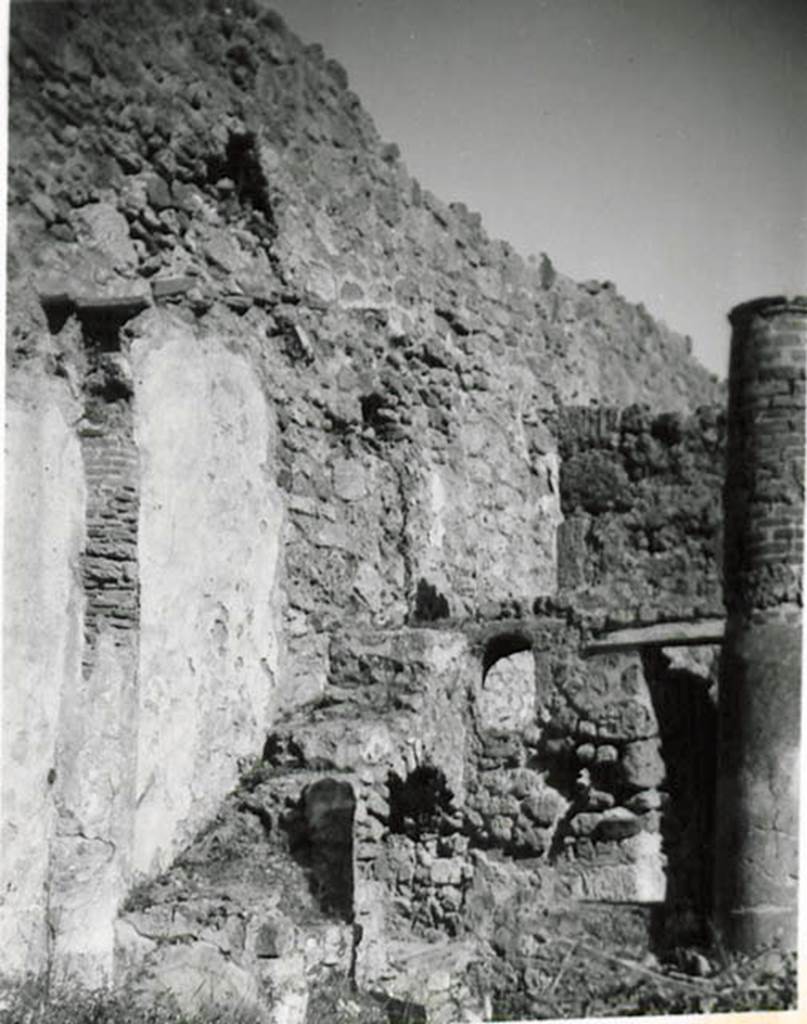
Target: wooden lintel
x=659, y=634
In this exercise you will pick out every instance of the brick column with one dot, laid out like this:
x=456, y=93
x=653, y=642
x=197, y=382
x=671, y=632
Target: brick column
x=759, y=731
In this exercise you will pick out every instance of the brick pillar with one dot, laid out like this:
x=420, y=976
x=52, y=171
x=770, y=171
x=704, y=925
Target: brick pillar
x=758, y=753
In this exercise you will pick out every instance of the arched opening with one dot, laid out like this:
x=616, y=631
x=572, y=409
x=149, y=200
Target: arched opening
x=502, y=646
x=507, y=698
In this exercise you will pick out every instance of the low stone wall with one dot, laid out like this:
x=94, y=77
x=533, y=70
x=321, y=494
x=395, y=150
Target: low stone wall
x=592, y=789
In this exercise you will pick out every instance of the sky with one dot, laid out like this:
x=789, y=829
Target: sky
x=658, y=144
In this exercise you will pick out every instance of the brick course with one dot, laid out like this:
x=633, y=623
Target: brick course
x=109, y=563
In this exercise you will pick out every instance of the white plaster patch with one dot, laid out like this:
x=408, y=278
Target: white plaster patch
x=42, y=638
x=437, y=506
x=210, y=528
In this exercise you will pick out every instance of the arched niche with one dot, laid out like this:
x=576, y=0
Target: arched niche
x=507, y=698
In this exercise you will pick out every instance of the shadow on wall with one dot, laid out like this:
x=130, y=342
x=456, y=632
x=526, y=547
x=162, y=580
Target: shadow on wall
x=422, y=802
x=687, y=718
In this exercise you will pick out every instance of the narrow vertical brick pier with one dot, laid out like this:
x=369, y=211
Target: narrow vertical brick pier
x=756, y=869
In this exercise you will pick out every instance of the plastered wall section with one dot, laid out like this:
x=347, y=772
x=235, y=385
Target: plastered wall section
x=209, y=543
x=42, y=631
x=95, y=753
x=483, y=522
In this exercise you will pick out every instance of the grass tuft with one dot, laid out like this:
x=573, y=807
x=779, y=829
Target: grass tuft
x=33, y=1000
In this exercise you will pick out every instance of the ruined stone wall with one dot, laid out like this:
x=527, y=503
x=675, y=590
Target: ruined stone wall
x=641, y=494
x=590, y=792
x=211, y=119
x=479, y=819
x=311, y=417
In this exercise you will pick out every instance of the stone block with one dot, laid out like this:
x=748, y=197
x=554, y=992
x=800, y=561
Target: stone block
x=192, y=971
x=606, y=754
x=544, y=808
x=505, y=805
x=451, y=898
x=643, y=765
x=630, y=719
x=165, y=287
x=501, y=828
x=525, y=782
x=422, y=875
x=424, y=856
x=376, y=805
x=349, y=479
x=367, y=849
x=618, y=823
x=530, y=840
x=599, y=800
x=585, y=823
x=446, y=871
x=647, y=800
x=370, y=831
x=158, y=192
x=306, y=675
x=102, y=227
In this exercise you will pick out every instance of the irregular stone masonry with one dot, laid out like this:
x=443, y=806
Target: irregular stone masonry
x=642, y=535
x=187, y=153
x=317, y=337
x=248, y=909
x=586, y=426
x=582, y=787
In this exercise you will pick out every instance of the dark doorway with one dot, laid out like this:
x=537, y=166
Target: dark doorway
x=323, y=842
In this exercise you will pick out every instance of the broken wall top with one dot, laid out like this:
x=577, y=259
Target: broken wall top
x=201, y=150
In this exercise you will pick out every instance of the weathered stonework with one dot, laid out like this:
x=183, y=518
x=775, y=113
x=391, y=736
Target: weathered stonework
x=334, y=506
x=640, y=494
